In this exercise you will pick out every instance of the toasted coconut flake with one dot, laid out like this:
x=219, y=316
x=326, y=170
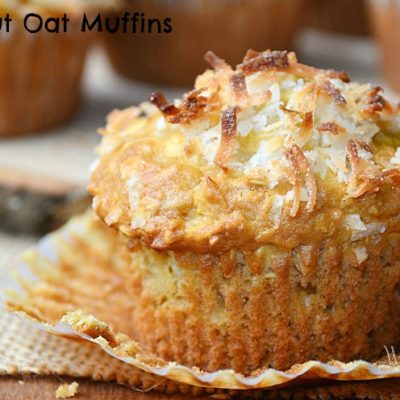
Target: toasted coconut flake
x=329, y=89
x=330, y=126
x=216, y=62
x=159, y=100
x=303, y=70
x=290, y=112
x=307, y=71
x=342, y=75
x=374, y=101
x=250, y=54
x=365, y=177
x=311, y=184
x=192, y=107
x=301, y=172
x=264, y=61
x=362, y=145
x=261, y=98
x=352, y=154
x=307, y=124
x=229, y=131
x=239, y=88
x=307, y=120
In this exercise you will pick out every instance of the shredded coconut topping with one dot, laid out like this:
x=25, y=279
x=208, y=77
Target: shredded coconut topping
x=216, y=62
x=227, y=145
x=300, y=173
x=290, y=137
x=288, y=104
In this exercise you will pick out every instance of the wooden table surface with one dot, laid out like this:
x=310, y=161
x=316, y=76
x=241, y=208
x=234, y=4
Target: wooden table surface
x=44, y=388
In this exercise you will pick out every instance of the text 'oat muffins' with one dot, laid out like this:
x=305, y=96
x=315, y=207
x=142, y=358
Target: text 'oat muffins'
x=259, y=216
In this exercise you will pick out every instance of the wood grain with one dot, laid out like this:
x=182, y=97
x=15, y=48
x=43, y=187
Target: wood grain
x=34, y=204
x=44, y=388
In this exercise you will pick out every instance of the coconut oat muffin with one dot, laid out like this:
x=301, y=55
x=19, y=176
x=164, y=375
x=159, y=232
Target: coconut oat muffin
x=258, y=216
x=385, y=21
x=339, y=16
x=40, y=73
x=176, y=57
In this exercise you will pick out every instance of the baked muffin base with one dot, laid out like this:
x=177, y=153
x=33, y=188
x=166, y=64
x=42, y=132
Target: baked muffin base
x=275, y=308
x=57, y=284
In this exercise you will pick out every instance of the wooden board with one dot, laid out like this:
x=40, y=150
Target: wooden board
x=44, y=388
x=35, y=204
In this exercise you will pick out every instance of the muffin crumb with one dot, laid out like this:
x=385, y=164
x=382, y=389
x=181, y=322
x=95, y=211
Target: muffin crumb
x=66, y=391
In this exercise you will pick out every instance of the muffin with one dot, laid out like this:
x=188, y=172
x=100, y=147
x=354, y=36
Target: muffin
x=175, y=58
x=40, y=73
x=385, y=21
x=258, y=216
x=340, y=16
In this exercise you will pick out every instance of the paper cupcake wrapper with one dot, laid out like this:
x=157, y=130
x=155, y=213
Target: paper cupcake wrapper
x=76, y=269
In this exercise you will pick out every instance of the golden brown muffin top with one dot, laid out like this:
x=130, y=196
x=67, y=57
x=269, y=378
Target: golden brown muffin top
x=272, y=151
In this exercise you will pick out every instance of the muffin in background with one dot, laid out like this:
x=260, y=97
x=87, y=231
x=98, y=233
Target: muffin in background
x=227, y=27
x=385, y=22
x=258, y=216
x=40, y=73
x=340, y=16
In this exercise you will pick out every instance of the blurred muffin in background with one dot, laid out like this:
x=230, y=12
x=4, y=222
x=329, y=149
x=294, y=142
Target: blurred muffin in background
x=385, y=22
x=341, y=16
x=40, y=73
x=228, y=28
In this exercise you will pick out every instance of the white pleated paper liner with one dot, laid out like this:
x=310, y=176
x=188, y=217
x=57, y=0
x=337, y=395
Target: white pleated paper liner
x=42, y=268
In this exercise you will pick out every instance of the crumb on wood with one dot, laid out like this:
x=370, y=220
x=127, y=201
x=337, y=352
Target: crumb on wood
x=66, y=391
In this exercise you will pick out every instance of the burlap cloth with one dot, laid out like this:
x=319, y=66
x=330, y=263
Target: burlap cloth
x=24, y=350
